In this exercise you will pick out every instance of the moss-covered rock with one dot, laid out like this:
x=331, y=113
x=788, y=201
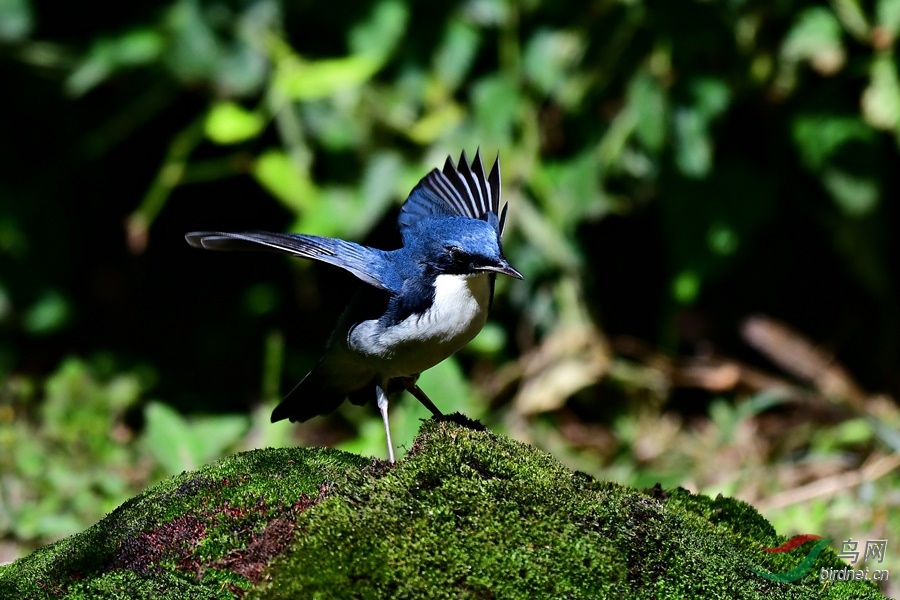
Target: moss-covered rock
x=466, y=514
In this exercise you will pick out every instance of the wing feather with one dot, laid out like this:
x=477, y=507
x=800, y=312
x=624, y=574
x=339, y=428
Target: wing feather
x=368, y=264
x=456, y=190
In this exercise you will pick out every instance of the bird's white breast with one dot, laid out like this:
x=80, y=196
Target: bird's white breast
x=422, y=340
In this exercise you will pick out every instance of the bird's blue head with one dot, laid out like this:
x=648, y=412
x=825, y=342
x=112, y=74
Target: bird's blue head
x=462, y=246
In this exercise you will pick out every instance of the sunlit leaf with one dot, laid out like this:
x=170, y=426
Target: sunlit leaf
x=378, y=36
x=306, y=80
x=213, y=435
x=711, y=96
x=335, y=124
x=549, y=59
x=454, y=57
x=647, y=99
x=168, y=438
x=435, y=123
x=336, y=209
x=16, y=20
x=881, y=99
x=488, y=13
x=180, y=445
x=242, y=70
x=496, y=100
x=693, y=146
x=489, y=341
x=230, y=123
x=855, y=195
x=276, y=172
x=851, y=16
x=448, y=386
x=93, y=69
x=816, y=37
x=686, y=287
x=888, y=15
x=193, y=52
x=378, y=189
x=138, y=47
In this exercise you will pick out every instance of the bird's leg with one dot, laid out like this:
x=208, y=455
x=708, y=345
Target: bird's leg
x=409, y=383
x=381, y=394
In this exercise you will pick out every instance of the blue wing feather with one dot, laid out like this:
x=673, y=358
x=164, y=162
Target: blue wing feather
x=368, y=264
x=456, y=190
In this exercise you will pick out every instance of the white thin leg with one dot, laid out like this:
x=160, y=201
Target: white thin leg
x=383, y=407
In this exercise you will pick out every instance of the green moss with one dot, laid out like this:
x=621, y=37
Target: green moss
x=168, y=541
x=468, y=514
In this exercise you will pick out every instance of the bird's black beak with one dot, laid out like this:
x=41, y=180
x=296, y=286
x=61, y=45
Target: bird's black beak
x=502, y=267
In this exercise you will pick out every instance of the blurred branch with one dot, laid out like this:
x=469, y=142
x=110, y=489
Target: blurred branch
x=874, y=468
x=170, y=175
x=797, y=355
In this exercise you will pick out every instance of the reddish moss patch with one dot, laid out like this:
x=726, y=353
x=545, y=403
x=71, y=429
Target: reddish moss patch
x=174, y=541
x=252, y=561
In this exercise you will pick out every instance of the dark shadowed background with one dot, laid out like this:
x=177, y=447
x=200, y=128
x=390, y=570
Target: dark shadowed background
x=702, y=201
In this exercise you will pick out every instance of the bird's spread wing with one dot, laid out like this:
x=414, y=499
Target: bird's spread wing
x=366, y=263
x=460, y=190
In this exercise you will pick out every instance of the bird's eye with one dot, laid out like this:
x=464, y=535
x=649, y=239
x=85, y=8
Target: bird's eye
x=457, y=255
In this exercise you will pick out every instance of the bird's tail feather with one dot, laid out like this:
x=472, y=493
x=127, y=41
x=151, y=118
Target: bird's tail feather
x=309, y=398
x=323, y=390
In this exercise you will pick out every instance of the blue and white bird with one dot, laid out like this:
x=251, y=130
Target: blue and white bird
x=423, y=302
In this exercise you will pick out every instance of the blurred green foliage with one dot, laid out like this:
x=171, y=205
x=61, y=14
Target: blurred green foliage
x=671, y=167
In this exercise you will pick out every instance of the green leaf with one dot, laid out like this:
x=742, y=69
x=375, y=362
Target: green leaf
x=230, y=123
x=693, y=146
x=647, y=98
x=215, y=434
x=278, y=174
x=816, y=38
x=242, y=70
x=489, y=13
x=193, y=51
x=454, y=57
x=857, y=196
x=306, y=80
x=378, y=189
x=48, y=314
x=549, y=56
x=179, y=445
x=435, y=123
x=723, y=239
x=16, y=20
x=888, y=15
x=336, y=125
x=881, y=99
x=496, y=101
x=138, y=47
x=378, y=36
x=489, y=341
x=686, y=287
x=448, y=387
x=819, y=136
x=96, y=67
x=711, y=96
x=168, y=438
